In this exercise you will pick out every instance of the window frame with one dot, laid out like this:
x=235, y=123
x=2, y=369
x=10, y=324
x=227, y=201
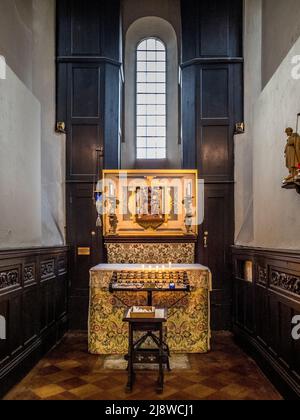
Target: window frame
x=160, y=162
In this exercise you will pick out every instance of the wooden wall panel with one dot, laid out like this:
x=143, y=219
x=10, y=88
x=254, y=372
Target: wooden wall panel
x=212, y=103
x=212, y=28
x=81, y=214
x=89, y=88
x=88, y=29
x=33, y=300
x=218, y=223
x=274, y=301
x=86, y=92
x=86, y=25
x=29, y=317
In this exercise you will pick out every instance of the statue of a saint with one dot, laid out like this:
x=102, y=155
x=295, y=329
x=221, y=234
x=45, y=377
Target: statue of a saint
x=292, y=154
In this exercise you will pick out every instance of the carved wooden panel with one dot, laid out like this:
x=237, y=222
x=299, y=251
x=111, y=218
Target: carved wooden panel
x=262, y=276
x=47, y=269
x=287, y=282
x=276, y=300
x=29, y=273
x=9, y=278
x=33, y=283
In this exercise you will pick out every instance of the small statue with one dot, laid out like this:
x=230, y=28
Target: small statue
x=292, y=155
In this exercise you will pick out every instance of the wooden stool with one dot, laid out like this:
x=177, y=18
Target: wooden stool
x=159, y=355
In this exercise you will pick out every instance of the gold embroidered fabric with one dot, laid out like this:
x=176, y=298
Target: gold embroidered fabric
x=153, y=253
x=188, y=325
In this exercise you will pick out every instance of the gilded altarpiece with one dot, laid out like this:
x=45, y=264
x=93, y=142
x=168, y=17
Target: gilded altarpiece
x=150, y=203
x=150, y=218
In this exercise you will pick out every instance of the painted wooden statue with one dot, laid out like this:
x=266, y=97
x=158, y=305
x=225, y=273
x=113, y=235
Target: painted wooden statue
x=292, y=155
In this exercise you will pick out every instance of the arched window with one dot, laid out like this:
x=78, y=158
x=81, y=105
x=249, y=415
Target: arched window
x=151, y=99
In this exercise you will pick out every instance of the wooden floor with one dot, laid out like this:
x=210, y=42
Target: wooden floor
x=70, y=373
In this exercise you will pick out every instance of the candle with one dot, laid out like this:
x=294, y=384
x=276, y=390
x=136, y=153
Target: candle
x=143, y=267
x=111, y=190
x=170, y=266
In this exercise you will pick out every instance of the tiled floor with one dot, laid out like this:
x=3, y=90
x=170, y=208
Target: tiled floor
x=70, y=373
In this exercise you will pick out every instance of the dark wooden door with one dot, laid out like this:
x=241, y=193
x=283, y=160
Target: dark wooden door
x=214, y=250
x=212, y=103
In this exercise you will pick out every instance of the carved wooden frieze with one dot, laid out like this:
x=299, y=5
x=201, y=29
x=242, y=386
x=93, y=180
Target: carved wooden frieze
x=288, y=282
x=9, y=278
x=262, y=277
x=29, y=273
x=47, y=269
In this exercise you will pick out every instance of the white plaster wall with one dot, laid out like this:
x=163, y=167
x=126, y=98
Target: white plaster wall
x=16, y=37
x=244, y=143
x=276, y=211
x=266, y=215
x=52, y=144
x=20, y=165
x=165, y=9
x=32, y=155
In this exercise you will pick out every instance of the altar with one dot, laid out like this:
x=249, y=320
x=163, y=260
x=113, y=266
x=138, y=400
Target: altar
x=150, y=227
x=188, y=324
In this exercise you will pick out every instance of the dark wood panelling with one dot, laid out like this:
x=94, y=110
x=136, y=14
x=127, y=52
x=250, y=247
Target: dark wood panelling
x=88, y=29
x=85, y=29
x=218, y=223
x=214, y=96
x=33, y=300
x=212, y=103
x=82, y=232
x=216, y=21
x=212, y=28
x=86, y=92
x=189, y=117
x=218, y=108
x=89, y=88
x=271, y=300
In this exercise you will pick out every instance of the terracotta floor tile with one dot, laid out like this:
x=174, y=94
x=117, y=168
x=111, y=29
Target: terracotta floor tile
x=70, y=373
x=48, y=391
x=84, y=391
